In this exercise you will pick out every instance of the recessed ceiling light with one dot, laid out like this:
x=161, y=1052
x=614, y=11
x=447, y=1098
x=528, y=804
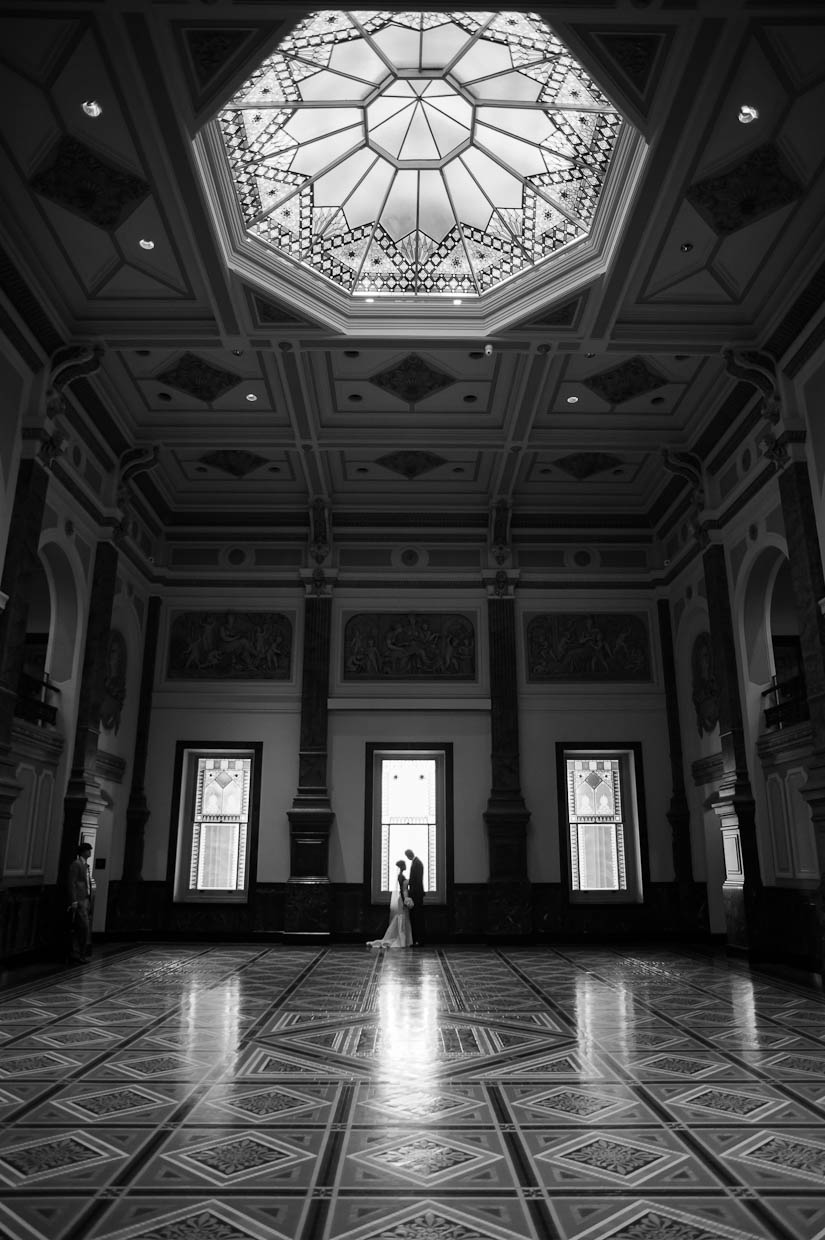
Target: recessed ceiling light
x=351, y=353
x=146, y=244
x=572, y=400
x=362, y=469
x=686, y=247
x=456, y=301
x=370, y=300
x=92, y=108
x=459, y=469
x=251, y=396
x=747, y=114
x=469, y=400
x=355, y=397
x=237, y=352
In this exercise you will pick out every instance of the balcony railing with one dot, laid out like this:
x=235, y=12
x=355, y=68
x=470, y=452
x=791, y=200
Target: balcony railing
x=787, y=703
x=34, y=700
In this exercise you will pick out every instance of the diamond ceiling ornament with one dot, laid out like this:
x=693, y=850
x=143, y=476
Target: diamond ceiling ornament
x=419, y=152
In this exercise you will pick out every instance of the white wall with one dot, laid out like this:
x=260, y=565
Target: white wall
x=349, y=733
x=278, y=729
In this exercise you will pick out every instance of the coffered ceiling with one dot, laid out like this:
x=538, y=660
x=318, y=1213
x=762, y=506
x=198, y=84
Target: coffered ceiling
x=262, y=393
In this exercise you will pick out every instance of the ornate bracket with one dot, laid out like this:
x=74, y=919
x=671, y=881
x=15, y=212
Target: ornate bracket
x=499, y=533
x=759, y=370
x=688, y=465
x=70, y=362
x=320, y=537
x=133, y=462
x=775, y=450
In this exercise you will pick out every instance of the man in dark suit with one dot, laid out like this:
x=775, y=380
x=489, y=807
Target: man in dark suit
x=81, y=894
x=415, y=880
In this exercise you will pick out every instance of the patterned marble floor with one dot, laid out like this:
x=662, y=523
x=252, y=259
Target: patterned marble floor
x=197, y=1092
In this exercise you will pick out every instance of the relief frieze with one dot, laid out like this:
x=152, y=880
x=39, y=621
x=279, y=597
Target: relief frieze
x=229, y=645
x=409, y=646
x=588, y=647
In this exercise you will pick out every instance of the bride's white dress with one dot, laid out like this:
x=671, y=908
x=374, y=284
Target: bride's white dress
x=398, y=932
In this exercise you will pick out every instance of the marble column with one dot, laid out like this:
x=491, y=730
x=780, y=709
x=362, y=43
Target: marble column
x=131, y=910
x=733, y=801
x=692, y=909
x=84, y=802
x=808, y=583
x=509, y=899
x=18, y=569
x=308, y=898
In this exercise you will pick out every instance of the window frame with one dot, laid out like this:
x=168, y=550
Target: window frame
x=629, y=755
x=442, y=752
x=181, y=831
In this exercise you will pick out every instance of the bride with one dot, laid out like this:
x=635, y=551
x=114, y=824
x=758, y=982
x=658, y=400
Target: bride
x=398, y=933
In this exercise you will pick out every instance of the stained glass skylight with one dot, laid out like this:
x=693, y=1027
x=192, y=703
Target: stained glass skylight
x=419, y=152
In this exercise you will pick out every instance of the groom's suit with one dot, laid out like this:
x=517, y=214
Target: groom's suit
x=416, y=890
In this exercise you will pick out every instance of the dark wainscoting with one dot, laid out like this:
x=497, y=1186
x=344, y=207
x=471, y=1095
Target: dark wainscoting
x=144, y=910
x=787, y=929
x=32, y=922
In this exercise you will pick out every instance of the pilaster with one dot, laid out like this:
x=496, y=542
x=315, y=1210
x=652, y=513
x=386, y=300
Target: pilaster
x=509, y=910
x=137, y=811
x=678, y=814
x=733, y=802
x=308, y=897
x=84, y=803
x=20, y=564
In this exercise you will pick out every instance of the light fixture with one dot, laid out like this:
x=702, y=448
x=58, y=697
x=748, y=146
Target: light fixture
x=92, y=108
x=146, y=244
x=370, y=300
x=251, y=396
x=686, y=247
x=456, y=301
x=747, y=114
x=572, y=400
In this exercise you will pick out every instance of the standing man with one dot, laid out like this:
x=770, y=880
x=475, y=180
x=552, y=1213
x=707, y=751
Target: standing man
x=416, y=889
x=80, y=905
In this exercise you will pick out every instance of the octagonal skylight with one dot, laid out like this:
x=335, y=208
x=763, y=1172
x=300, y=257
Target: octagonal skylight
x=419, y=153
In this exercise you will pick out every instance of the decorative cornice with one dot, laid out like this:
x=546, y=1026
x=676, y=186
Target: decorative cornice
x=110, y=766
x=709, y=771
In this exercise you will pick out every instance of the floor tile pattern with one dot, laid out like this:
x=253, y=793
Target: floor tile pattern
x=195, y=1092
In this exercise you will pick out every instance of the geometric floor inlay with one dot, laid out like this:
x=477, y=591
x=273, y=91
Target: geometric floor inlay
x=254, y=1091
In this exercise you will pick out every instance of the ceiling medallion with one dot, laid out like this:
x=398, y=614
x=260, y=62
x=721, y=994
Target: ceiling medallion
x=412, y=380
x=631, y=378
x=419, y=153
x=198, y=378
x=411, y=464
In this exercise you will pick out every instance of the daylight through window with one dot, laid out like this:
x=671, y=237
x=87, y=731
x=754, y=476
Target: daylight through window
x=419, y=152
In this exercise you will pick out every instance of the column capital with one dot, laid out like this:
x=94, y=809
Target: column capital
x=318, y=582
x=500, y=583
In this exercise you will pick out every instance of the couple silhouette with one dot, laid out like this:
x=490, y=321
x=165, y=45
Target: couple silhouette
x=406, y=907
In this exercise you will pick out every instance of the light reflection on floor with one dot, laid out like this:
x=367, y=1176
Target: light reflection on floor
x=189, y=1092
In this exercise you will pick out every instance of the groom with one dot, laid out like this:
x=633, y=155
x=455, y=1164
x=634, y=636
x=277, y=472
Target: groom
x=415, y=880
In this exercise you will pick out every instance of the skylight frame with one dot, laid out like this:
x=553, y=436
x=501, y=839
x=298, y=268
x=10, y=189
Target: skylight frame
x=407, y=270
